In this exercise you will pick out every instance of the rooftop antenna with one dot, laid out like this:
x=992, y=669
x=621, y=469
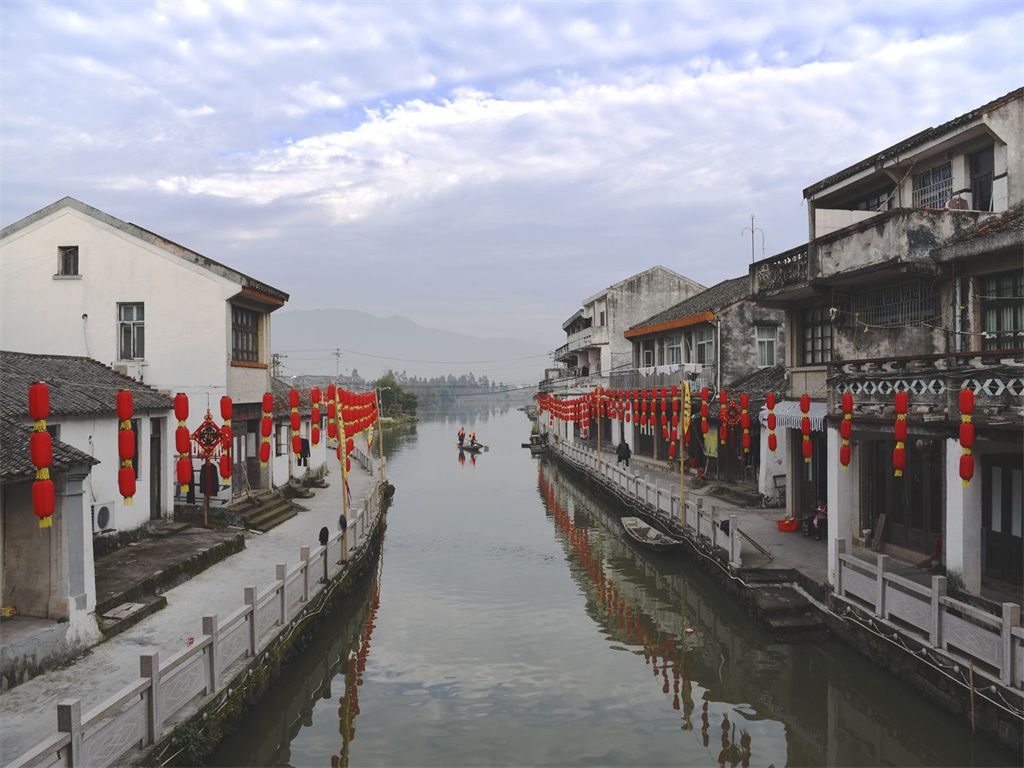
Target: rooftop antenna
x=752, y=229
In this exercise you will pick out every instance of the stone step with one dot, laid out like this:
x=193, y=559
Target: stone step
x=273, y=519
x=127, y=615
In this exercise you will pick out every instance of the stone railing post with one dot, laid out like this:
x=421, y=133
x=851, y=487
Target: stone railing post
x=211, y=629
x=735, y=546
x=840, y=546
x=250, y=600
x=304, y=556
x=69, y=721
x=880, y=585
x=149, y=666
x=282, y=576
x=714, y=529
x=1011, y=619
x=939, y=587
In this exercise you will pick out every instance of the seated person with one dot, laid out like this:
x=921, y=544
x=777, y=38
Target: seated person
x=816, y=523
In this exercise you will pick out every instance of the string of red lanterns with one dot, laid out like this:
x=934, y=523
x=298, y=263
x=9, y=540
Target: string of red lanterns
x=899, y=453
x=314, y=432
x=41, y=453
x=266, y=427
x=773, y=440
x=807, y=448
x=846, y=430
x=295, y=422
x=966, y=436
x=226, y=437
x=125, y=446
x=182, y=442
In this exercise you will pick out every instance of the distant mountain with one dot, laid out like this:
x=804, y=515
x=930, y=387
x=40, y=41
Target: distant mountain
x=372, y=345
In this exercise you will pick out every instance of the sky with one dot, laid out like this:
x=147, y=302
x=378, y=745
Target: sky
x=475, y=167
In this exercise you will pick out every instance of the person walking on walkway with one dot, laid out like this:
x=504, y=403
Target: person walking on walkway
x=622, y=453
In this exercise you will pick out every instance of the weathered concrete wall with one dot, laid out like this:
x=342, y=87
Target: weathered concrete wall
x=738, y=326
x=34, y=559
x=1008, y=124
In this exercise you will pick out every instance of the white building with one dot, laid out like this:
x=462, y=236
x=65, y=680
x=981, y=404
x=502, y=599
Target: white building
x=595, y=344
x=150, y=308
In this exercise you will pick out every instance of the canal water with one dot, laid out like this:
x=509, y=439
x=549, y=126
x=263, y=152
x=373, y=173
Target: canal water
x=509, y=623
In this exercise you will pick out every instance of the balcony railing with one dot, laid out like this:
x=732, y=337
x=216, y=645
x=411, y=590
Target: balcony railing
x=787, y=269
x=934, y=383
x=703, y=376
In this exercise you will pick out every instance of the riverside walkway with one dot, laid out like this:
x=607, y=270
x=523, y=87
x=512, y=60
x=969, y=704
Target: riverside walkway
x=28, y=713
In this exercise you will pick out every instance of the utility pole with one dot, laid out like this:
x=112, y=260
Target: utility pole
x=753, y=229
x=337, y=364
x=275, y=364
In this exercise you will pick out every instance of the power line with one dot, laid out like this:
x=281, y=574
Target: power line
x=338, y=350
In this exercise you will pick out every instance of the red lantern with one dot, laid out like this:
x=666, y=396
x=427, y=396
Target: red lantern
x=296, y=422
x=314, y=435
x=296, y=444
x=315, y=395
x=807, y=450
x=268, y=402
x=966, y=468
x=126, y=444
x=771, y=421
x=967, y=401
x=844, y=455
x=332, y=430
x=805, y=426
x=746, y=441
x=181, y=406
x=43, y=501
x=124, y=405
x=225, y=465
x=293, y=398
x=266, y=427
x=38, y=401
x=845, y=429
x=226, y=408
x=182, y=440
x=184, y=470
x=225, y=436
x=805, y=403
x=773, y=442
x=899, y=459
x=264, y=453
x=126, y=482
x=900, y=430
x=672, y=450
x=769, y=400
x=41, y=449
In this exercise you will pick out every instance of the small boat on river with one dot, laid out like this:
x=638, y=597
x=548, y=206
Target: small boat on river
x=647, y=536
x=472, y=448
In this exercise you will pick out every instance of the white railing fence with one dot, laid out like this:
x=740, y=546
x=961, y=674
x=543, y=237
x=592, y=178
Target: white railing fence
x=928, y=614
x=702, y=523
x=136, y=716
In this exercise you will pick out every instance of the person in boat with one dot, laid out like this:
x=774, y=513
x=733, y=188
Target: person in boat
x=462, y=435
x=472, y=440
x=622, y=453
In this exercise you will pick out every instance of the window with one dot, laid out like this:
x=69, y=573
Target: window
x=766, y=338
x=876, y=201
x=67, y=260
x=674, y=349
x=245, y=335
x=934, y=187
x=1002, y=310
x=982, y=168
x=817, y=336
x=600, y=318
x=54, y=430
x=895, y=306
x=706, y=346
x=648, y=355
x=131, y=332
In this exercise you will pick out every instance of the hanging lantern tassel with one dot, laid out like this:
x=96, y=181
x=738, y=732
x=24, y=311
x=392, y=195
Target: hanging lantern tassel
x=966, y=436
x=773, y=440
x=805, y=428
x=227, y=438
x=745, y=421
x=899, y=453
x=182, y=441
x=125, y=446
x=41, y=452
x=845, y=430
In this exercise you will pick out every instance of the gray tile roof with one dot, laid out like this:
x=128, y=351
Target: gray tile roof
x=715, y=298
x=79, y=386
x=280, y=390
x=760, y=382
x=15, y=463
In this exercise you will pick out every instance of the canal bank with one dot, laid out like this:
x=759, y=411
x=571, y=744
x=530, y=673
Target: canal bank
x=791, y=604
x=214, y=624
x=492, y=641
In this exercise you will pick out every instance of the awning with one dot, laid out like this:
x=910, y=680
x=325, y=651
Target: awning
x=788, y=415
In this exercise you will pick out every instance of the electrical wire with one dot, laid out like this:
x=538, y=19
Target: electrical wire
x=415, y=360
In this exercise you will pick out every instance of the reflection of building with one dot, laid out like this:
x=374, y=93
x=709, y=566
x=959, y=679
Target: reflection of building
x=148, y=307
x=912, y=282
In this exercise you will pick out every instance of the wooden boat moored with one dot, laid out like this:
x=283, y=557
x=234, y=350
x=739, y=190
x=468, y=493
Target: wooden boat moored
x=649, y=537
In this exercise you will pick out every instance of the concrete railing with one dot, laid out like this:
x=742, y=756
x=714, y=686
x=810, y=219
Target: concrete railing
x=701, y=523
x=952, y=626
x=141, y=713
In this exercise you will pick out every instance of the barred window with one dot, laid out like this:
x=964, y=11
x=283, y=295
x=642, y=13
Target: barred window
x=1002, y=310
x=245, y=335
x=817, y=336
x=902, y=304
x=934, y=187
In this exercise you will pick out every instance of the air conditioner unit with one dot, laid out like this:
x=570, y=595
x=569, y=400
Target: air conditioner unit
x=103, y=517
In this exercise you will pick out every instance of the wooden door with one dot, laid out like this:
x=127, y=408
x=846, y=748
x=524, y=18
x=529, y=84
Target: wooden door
x=156, y=431
x=1002, y=509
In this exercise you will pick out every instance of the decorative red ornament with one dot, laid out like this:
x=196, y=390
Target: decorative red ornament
x=184, y=472
x=182, y=440
x=124, y=405
x=807, y=448
x=41, y=449
x=295, y=421
x=43, y=502
x=181, y=406
x=38, y=401
x=226, y=462
x=126, y=445
x=966, y=436
x=846, y=430
x=844, y=455
x=899, y=459
x=314, y=435
x=226, y=408
x=296, y=444
x=293, y=398
x=773, y=442
x=126, y=482
x=771, y=421
x=225, y=465
x=769, y=401
x=899, y=453
x=266, y=427
x=268, y=402
x=264, y=453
